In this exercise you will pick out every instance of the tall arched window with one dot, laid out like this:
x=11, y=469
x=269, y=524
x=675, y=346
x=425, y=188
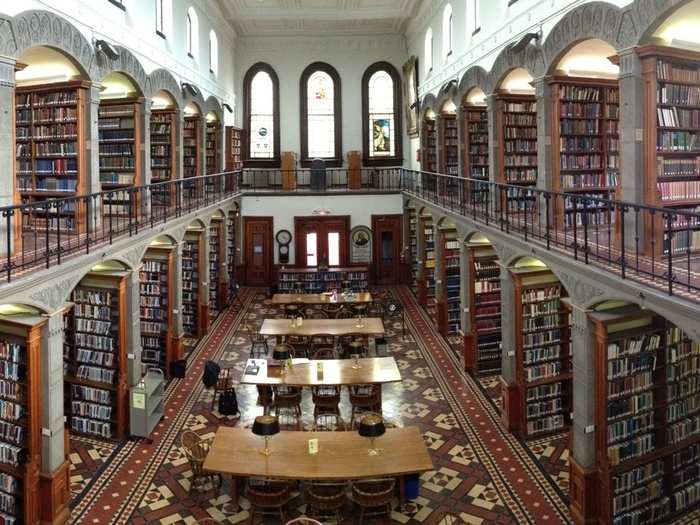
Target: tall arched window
x=213, y=53
x=381, y=115
x=192, y=33
x=261, y=97
x=428, y=51
x=321, y=133
x=473, y=15
x=447, y=32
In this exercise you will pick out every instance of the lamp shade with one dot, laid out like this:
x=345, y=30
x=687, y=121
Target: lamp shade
x=280, y=353
x=371, y=426
x=266, y=426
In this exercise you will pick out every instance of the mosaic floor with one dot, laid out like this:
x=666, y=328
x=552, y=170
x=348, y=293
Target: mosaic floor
x=482, y=473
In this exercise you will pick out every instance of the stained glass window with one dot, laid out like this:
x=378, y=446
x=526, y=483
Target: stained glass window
x=320, y=115
x=262, y=117
x=382, y=125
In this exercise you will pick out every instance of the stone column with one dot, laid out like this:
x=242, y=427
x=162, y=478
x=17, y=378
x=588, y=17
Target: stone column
x=179, y=121
x=440, y=285
x=508, y=335
x=133, y=322
x=494, y=150
x=544, y=102
x=204, y=281
x=420, y=258
x=439, y=144
x=202, y=145
x=461, y=138
x=176, y=307
x=631, y=126
x=144, y=153
x=465, y=281
x=7, y=148
x=92, y=153
x=53, y=453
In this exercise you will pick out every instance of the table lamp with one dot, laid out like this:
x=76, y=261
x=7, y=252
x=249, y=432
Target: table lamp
x=280, y=353
x=372, y=426
x=266, y=426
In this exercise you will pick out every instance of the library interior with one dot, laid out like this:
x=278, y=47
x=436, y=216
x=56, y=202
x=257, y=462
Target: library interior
x=228, y=297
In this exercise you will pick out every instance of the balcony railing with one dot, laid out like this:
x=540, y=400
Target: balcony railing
x=47, y=233
x=334, y=179
x=659, y=247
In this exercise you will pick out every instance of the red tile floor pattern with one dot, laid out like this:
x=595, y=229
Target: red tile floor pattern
x=482, y=473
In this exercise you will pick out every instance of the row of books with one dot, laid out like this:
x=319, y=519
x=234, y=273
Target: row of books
x=116, y=150
x=589, y=180
x=91, y=410
x=675, y=167
x=675, y=117
x=520, y=146
x=46, y=99
x=44, y=132
x=580, y=110
x=92, y=373
x=678, y=141
x=678, y=94
x=87, y=393
x=676, y=73
x=679, y=190
x=91, y=426
x=515, y=119
x=46, y=115
x=520, y=133
x=95, y=357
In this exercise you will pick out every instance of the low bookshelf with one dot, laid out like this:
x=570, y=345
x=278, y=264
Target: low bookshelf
x=51, y=160
x=647, y=429
x=540, y=400
x=156, y=287
x=517, y=139
x=315, y=280
x=585, y=159
x=483, y=343
x=95, y=356
x=120, y=158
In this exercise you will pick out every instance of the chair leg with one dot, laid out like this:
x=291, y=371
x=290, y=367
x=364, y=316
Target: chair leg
x=213, y=401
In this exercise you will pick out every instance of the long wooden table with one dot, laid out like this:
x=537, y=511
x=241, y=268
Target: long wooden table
x=319, y=298
x=312, y=327
x=341, y=456
x=337, y=372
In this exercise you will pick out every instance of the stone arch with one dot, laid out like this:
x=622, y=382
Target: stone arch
x=162, y=79
x=530, y=59
x=471, y=232
x=197, y=99
x=197, y=223
x=447, y=92
x=127, y=63
x=212, y=104
x=649, y=14
x=475, y=76
x=165, y=236
x=599, y=20
x=428, y=103
x=42, y=28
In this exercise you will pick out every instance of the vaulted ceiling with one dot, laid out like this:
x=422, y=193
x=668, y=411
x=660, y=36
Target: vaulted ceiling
x=285, y=17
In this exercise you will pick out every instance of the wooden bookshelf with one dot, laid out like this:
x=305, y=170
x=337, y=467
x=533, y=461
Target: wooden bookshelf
x=213, y=149
x=313, y=280
x=95, y=357
x=191, y=147
x=540, y=400
x=448, y=304
x=647, y=429
x=156, y=277
x=413, y=247
x=671, y=79
x=476, y=142
x=234, y=148
x=217, y=285
x=516, y=121
x=20, y=439
x=448, y=143
x=164, y=157
x=120, y=159
x=231, y=224
x=483, y=343
x=427, y=293
x=585, y=156
x=428, y=146
x=50, y=149
x=195, y=307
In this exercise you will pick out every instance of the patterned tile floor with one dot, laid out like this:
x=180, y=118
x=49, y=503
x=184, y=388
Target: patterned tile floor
x=482, y=473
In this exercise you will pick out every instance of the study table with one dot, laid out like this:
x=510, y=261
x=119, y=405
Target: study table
x=336, y=372
x=320, y=298
x=341, y=456
x=312, y=327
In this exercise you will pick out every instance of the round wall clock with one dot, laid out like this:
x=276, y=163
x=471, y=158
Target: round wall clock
x=284, y=237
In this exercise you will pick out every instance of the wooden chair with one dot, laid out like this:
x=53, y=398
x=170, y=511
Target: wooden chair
x=376, y=494
x=288, y=398
x=344, y=313
x=448, y=518
x=326, y=498
x=326, y=398
x=364, y=398
x=196, y=450
x=224, y=382
x=359, y=309
x=303, y=520
x=329, y=422
x=292, y=311
x=267, y=497
x=258, y=344
x=297, y=346
x=332, y=310
x=320, y=343
x=376, y=309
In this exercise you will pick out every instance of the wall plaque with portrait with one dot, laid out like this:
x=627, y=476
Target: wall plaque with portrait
x=410, y=91
x=360, y=244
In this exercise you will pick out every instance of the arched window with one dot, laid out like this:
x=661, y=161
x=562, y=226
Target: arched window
x=192, y=33
x=164, y=18
x=213, y=53
x=381, y=115
x=321, y=133
x=447, y=32
x=428, y=51
x=473, y=15
x=261, y=95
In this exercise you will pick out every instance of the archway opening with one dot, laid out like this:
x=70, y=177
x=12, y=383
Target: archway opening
x=476, y=140
x=164, y=161
x=429, y=142
x=448, y=139
x=213, y=147
x=192, y=143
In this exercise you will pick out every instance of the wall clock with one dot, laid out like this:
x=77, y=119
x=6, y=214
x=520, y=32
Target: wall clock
x=283, y=237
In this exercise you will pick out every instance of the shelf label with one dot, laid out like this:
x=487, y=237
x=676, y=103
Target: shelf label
x=511, y=354
x=589, y=429
x=130, y=356
x=46, y=431
x=139, y=400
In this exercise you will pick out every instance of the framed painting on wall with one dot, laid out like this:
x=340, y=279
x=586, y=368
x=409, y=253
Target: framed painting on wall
x=410, y=88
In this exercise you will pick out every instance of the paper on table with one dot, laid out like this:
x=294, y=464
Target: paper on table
x=300, y=361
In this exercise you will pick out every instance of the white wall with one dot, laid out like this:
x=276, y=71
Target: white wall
x=283, y=209
x=289, y=56
x=134, y=29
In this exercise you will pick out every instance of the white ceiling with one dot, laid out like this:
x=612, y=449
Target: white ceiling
x=285, y=17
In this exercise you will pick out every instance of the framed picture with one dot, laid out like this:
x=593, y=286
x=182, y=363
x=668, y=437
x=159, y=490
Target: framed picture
x=360, y=245
x=410, y=89
x=381, y=136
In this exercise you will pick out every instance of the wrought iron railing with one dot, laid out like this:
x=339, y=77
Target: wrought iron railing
x=329, y=180
x=659, y=247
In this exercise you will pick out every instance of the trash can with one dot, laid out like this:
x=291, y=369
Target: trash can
x=411, y=485
x=318, y=175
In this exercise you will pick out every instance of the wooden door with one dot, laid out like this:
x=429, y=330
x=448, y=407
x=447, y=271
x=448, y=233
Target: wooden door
x=386, y=234
x=328, y=242
x=258, y=250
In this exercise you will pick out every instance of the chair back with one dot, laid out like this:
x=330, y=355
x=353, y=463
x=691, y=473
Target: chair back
x=196, y=450
x=303, y=520
x=328, y=422
x=374, y=492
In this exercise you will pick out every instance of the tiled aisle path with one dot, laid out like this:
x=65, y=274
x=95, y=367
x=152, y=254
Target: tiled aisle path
x=482, y=472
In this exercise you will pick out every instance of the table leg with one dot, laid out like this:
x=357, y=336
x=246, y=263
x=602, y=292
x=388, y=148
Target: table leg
x=234, y=492
x=402, y=493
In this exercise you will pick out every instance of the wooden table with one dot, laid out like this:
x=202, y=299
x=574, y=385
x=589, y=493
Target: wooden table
x=342, y=456
x=319, y=298
x=336, y=372
x=312, y=327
